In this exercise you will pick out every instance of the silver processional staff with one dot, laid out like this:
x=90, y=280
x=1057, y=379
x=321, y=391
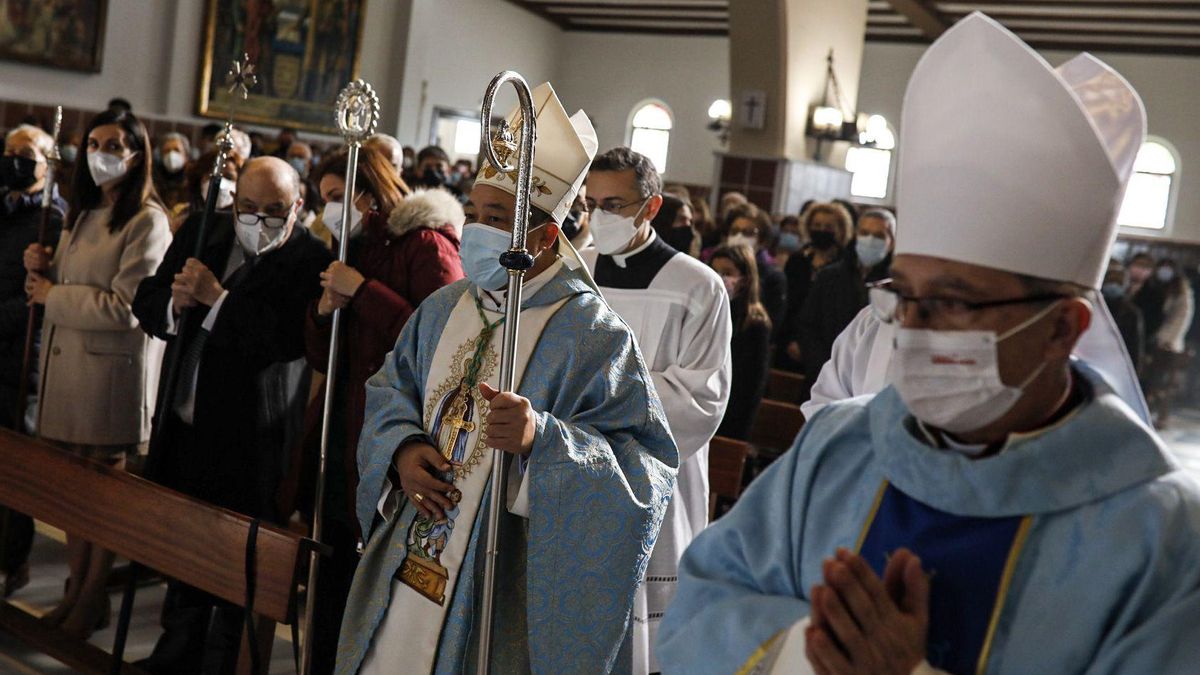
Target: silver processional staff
x=357, y=116
x=517, y=261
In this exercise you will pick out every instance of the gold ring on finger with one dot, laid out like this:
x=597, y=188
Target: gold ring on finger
x=418, y=497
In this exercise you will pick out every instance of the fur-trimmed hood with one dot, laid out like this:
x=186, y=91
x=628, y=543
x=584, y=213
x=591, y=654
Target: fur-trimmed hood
x=432, y=209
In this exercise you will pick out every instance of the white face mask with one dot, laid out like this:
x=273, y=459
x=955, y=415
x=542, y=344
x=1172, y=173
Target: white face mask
x=612, y=232
x=332, y=217
x=951, y=379
x=106, y=168
x=254, y=237
x=739, y=239
x=224, y=193
x=173, y=161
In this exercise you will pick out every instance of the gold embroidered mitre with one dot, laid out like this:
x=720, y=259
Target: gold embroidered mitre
x=562, y=154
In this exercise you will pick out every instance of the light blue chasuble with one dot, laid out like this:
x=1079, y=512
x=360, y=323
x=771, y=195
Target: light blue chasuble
x=601, y=473
x=1073, y=550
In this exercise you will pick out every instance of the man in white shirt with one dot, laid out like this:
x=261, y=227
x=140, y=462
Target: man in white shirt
x=679, y=311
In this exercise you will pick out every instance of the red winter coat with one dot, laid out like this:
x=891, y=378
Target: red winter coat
x=404, y=258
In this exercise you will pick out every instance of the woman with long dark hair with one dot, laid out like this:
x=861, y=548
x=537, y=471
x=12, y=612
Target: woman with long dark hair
x=99, y=371
x=402, y=248
x=750, y=347
x=674, y=224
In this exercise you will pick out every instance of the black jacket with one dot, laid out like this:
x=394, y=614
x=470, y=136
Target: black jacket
x=773, y=291
x=251, y=384
x=800, y=275
x=837, y=295
x=750, y=354
x=1128, y=318
x=20, y=217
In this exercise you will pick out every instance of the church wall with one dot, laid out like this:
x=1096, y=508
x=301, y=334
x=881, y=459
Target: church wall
x=152, y=59
x=424, y=53
x=455, y=47
x=609, y=74
x=1163, y=82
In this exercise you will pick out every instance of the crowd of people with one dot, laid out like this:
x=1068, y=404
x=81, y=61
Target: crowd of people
x=649, y=325
x=117, y=274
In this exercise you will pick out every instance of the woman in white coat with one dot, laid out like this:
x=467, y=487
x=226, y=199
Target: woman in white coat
x=99, y=371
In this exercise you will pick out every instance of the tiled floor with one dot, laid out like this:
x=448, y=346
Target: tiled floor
x=1183, y=436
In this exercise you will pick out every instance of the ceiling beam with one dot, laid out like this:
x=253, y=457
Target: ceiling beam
x=540, y=11
x=923, y=15
x=1155, y=47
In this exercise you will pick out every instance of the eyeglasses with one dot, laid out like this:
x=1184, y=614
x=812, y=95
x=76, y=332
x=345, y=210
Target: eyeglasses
x=889, y=304
x=268, y=221
x=611, y=206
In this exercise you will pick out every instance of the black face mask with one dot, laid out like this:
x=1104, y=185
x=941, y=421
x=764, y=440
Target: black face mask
x=433, y=178
x=570, y=226
x=822, y=240
x=18, y=173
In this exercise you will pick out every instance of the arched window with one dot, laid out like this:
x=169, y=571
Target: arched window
x=1148, y=199
x=651, y=133
x=872, y=165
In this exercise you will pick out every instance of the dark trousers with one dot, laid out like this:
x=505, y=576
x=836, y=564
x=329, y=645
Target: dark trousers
x=16, y=539
x=333, y=587
x=202, y=634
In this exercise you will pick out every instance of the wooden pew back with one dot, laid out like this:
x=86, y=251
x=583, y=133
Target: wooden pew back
x=726, y=471
x=776, y=426
x=181, y=537
x=785, y=386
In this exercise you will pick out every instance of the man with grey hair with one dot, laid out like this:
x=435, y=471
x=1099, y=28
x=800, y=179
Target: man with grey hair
x=390, y=148
x=840, y=289
x=23, y=180
x=241, y=391
x=679, y=311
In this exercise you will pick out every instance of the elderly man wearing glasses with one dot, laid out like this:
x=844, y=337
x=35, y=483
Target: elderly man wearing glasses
x=998, y=508
x=242, y=384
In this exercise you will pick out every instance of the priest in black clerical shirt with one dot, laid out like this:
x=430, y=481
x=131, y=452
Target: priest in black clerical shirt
x=242, y=384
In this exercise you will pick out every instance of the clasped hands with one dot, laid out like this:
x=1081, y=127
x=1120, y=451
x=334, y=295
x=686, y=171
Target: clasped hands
x=37, y=262
x=195, y=285
x=861, y=624
x=340, y=282
x=510, y=427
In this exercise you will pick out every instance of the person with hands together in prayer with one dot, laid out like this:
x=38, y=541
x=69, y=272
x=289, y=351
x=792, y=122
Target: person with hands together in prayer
x=861, y=624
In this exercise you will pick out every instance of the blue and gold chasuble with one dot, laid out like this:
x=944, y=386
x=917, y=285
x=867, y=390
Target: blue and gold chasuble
x=599, y=477
x=1075, y=549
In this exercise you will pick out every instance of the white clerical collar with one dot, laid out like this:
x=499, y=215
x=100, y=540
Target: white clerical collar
x=494, y=302
x=943, y=441
x=621, y=258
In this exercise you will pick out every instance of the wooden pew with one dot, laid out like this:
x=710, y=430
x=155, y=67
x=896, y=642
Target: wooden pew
x=776, y=426
x=181, y=537
x=786, y=386
x=726, y=472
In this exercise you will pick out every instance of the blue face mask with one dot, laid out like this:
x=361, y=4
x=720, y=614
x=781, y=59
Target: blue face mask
x=789, y=241
x=480, y=255
x=871, y=250
x=299, y=165
x=1113, y=290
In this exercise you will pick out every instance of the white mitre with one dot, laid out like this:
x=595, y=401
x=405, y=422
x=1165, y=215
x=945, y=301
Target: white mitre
x=1008, y=163
x=563, y=151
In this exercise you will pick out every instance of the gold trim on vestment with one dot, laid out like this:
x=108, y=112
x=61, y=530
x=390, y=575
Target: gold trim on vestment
x=755, y=660
x=1010, y=567
x=862, y=536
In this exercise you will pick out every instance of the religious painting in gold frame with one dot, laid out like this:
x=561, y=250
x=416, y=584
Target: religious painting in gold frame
x=303, y=51
x=67, y=34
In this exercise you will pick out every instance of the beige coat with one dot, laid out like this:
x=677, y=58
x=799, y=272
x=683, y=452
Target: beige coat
x=99, y=370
